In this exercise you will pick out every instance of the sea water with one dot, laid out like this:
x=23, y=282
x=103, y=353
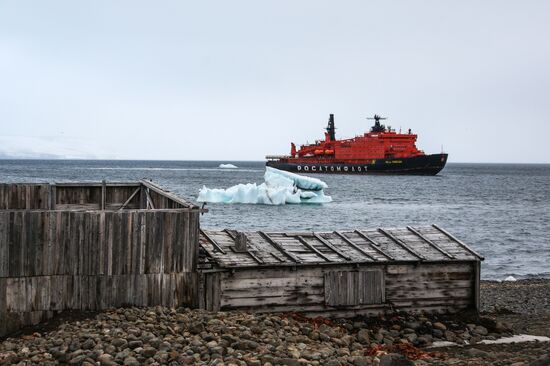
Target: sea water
x=501, y=210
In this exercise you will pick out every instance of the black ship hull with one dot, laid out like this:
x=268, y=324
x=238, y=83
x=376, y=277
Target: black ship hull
x=418, y=165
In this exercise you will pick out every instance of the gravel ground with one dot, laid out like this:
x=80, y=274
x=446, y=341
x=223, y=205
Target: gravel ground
x=524, y=306
x=527, y=296
x=161, y=336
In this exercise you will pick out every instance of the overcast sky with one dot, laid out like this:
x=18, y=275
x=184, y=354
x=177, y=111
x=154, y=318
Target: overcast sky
x=236, y=80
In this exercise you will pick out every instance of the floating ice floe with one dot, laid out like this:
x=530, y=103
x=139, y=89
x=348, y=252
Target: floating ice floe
x=279, y=188
x=227, y=166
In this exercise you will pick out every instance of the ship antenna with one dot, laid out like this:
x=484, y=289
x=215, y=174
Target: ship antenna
x=377, y=126
x=330, y=128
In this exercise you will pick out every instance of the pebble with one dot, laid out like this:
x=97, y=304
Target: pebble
x=394, y=359
x=363, y=336
x=474, y=352
x=106, y=360
x=542, y=361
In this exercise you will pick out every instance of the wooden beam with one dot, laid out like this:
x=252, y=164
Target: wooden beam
x=431, y=243
x=477, y=281
x=254, y=256
x=97, y=184
x=276, y=257
x=374, y=245
x=450, y=236
x=354, y=245
x=167, y=194
x=212, y=241
x=279, y=247
x=27, y=197
x=230, y=233
x=142, y=198
x=250, y=254
x=129, y=199
x=149, y=200
x=402, y=244
x=53, y=198
x=311, y=247
x=331, y=247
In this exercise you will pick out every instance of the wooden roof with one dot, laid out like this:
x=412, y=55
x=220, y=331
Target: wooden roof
x=232, y=249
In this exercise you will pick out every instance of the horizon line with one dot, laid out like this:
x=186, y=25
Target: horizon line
x=234, y=160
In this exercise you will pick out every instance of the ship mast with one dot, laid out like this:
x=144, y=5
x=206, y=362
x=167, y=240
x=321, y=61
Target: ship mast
x=377, y=126
x=331, y=130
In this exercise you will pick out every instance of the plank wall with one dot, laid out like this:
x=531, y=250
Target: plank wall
x=430, y=287
x=59, y=260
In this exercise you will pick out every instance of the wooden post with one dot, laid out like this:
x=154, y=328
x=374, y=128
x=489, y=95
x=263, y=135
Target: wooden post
x=142, y=198
x=477, y=290
x=103, y=194
x=241, y=242
x=28, y=198
x=53, y=196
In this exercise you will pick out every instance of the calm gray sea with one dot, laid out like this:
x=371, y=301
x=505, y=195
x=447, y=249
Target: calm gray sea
x=501, y=210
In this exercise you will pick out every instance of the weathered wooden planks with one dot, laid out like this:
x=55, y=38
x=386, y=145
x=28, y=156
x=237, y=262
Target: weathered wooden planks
x=38, y=243
x=349, y=288
x=327, y=248
x=26, y=196
x=86, y=196
x=79, y=257
x=345, y=290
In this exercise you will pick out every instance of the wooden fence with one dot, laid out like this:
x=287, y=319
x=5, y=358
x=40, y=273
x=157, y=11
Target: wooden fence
x=60, y=251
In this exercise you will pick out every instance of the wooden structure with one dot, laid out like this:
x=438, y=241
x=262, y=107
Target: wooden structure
x=91, y=246
x=338, y=273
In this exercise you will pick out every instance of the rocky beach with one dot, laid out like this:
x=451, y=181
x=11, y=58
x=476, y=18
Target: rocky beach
x=163, y=336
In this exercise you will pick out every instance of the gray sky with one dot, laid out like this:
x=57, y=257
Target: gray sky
x=236, y=80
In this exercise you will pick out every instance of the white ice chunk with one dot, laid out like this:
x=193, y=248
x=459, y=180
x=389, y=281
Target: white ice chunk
x=510, y=279
x=516, y=339
x=520, y=338
x=279, y=188
x=299, y=180
x=438, y=344
x=227, y=166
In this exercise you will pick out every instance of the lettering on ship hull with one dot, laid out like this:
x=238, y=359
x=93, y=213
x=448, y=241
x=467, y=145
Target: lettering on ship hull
x=331, y=168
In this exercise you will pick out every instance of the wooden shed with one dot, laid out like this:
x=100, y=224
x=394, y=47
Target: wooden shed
x=91, y=246
x=338, y=273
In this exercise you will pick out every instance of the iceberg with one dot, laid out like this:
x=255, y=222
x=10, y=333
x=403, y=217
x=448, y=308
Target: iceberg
x=227, y=166
x=279, y=188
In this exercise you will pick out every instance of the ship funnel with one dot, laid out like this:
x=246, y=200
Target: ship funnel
x=331, y=130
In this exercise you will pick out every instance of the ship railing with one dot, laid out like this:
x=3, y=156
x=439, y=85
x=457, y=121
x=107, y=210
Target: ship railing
x=277, y=157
